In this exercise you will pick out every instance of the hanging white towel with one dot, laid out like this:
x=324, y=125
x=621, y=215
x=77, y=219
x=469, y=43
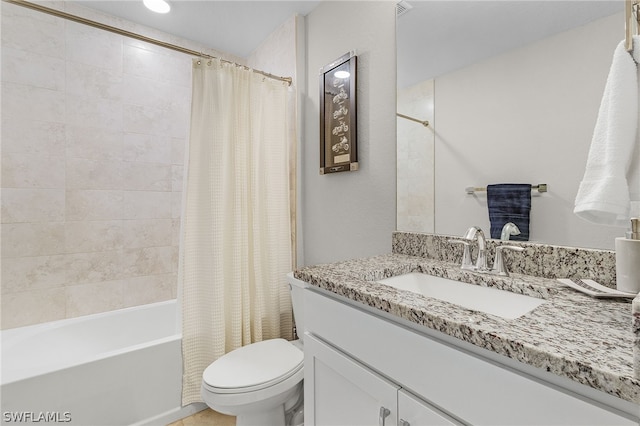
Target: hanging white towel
x=609, y=193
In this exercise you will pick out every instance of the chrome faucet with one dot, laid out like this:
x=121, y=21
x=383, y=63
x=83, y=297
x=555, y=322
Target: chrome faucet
x=475, y=233
x=508, y=229
x=499, y=266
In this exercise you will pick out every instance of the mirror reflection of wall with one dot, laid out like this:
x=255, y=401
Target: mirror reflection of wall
x=415, y=159
x=525, y=115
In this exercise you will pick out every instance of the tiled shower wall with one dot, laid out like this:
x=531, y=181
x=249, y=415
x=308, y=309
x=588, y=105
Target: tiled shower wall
x=94, y=127
x=416, y=159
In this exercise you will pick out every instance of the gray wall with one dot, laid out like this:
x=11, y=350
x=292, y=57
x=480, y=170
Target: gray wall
x=351, y=214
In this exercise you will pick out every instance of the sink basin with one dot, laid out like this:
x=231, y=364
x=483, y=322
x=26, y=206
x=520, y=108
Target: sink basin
x=501, y=303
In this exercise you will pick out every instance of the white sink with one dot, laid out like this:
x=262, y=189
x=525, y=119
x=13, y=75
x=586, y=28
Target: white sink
x=501, y=303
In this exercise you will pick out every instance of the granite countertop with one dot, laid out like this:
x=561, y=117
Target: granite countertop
x=573, y=335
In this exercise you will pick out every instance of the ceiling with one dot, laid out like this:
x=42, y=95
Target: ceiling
x=433, y=37
x=236, y=27
x=436, y=37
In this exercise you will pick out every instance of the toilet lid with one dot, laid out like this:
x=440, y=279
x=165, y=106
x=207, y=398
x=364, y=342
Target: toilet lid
x=254, y=366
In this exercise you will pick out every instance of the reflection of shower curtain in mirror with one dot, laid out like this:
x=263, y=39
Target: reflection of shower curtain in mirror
x=236, y=231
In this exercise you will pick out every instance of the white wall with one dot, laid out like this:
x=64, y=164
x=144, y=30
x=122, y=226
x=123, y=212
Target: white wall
x=352, y=214
x=526, y=116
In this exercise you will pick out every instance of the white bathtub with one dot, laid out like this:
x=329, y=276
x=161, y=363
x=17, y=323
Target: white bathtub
x=115, y=368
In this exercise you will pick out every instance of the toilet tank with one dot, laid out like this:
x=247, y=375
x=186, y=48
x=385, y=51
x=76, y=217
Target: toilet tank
x=297, y=300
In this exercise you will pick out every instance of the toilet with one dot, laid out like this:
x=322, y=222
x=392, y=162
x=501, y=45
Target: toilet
x=261, y=383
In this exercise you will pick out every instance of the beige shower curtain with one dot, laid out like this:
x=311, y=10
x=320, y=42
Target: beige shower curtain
x=236, y=227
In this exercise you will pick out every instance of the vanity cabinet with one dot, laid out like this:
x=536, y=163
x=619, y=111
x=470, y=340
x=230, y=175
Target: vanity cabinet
x=358, y=362
x=346, y=392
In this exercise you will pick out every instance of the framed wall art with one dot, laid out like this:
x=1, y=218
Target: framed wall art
x=338, y=115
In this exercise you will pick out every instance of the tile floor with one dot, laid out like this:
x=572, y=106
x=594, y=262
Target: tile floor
x=206, y=417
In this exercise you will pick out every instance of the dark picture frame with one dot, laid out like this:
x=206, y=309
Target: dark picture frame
x=338, y=115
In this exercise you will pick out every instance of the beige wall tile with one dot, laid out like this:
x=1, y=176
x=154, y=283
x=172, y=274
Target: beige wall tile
x=33, y=69
x=176, y=204
x=97, y=113
x=92, y=298
x=33, y=273
x=93, y=267
x=176, y=178
x=178, y=149
x=147, y=205
x=147, y=148
x=24, y=136
x=93, y=143
x=32, y=171
x=146, y=176
x=86, y=142
x=92, y=46
x=89, y=81
x=33, y=307
x=32, y=205
x=148, y=233
x=32, y=102
x=145, y=91
x=32, y=31
x=147, y=261
x=32, y=239
x=94, y=204
x=180, y=119
x=84, y=173
x=147, y=120
x=158, y=65
x=149, y=289
x=175, y=234
x=93, y=236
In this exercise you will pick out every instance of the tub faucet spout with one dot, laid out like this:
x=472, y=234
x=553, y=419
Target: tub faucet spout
x=475, y=233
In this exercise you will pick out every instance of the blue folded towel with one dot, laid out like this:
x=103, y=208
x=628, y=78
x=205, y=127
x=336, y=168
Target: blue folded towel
x=509, y=202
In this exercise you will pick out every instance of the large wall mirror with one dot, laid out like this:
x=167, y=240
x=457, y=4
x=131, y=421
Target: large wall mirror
x=511, y=91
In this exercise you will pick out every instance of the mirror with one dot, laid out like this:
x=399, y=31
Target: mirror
x=511, y=90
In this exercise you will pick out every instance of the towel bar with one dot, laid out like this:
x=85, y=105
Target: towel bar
x=542, y=187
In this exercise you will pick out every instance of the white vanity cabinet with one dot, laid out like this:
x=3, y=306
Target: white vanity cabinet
x=357, y=363
x=347, y=393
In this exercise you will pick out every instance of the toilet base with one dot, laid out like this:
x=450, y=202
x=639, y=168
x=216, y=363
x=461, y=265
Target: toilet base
x=255, y=412
x=273, y=417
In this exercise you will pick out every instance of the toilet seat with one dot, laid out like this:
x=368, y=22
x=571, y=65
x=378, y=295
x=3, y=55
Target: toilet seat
x=253, y=367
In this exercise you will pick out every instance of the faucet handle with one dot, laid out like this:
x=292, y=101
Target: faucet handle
x=499, y=267
x=467, y=263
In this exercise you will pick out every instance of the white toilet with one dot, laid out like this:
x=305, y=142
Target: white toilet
x=261, y=383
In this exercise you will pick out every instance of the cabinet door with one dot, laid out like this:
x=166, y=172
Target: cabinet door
x=341, y=391
x=412, y=411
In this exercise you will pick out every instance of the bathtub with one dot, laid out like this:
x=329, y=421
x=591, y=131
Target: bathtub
x=121, y=367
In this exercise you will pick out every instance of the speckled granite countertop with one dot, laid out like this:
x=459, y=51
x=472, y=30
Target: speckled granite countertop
x=588, y=340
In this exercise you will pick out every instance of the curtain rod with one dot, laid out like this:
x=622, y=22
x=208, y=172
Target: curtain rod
x=133, y=35
x=425, y=123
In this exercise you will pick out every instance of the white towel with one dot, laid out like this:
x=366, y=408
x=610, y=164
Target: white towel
x=609, y=193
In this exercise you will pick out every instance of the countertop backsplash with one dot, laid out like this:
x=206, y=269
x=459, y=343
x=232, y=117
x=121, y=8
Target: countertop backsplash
x=539, y=260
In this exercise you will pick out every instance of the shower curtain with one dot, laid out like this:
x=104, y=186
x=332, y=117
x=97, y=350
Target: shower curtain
x=236, y=226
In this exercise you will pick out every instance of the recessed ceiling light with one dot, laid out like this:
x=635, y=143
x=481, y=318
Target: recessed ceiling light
x=158, y=6
x=342, y=74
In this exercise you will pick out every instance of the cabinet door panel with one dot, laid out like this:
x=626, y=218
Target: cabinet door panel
x=340, y=391
x=415, y=412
